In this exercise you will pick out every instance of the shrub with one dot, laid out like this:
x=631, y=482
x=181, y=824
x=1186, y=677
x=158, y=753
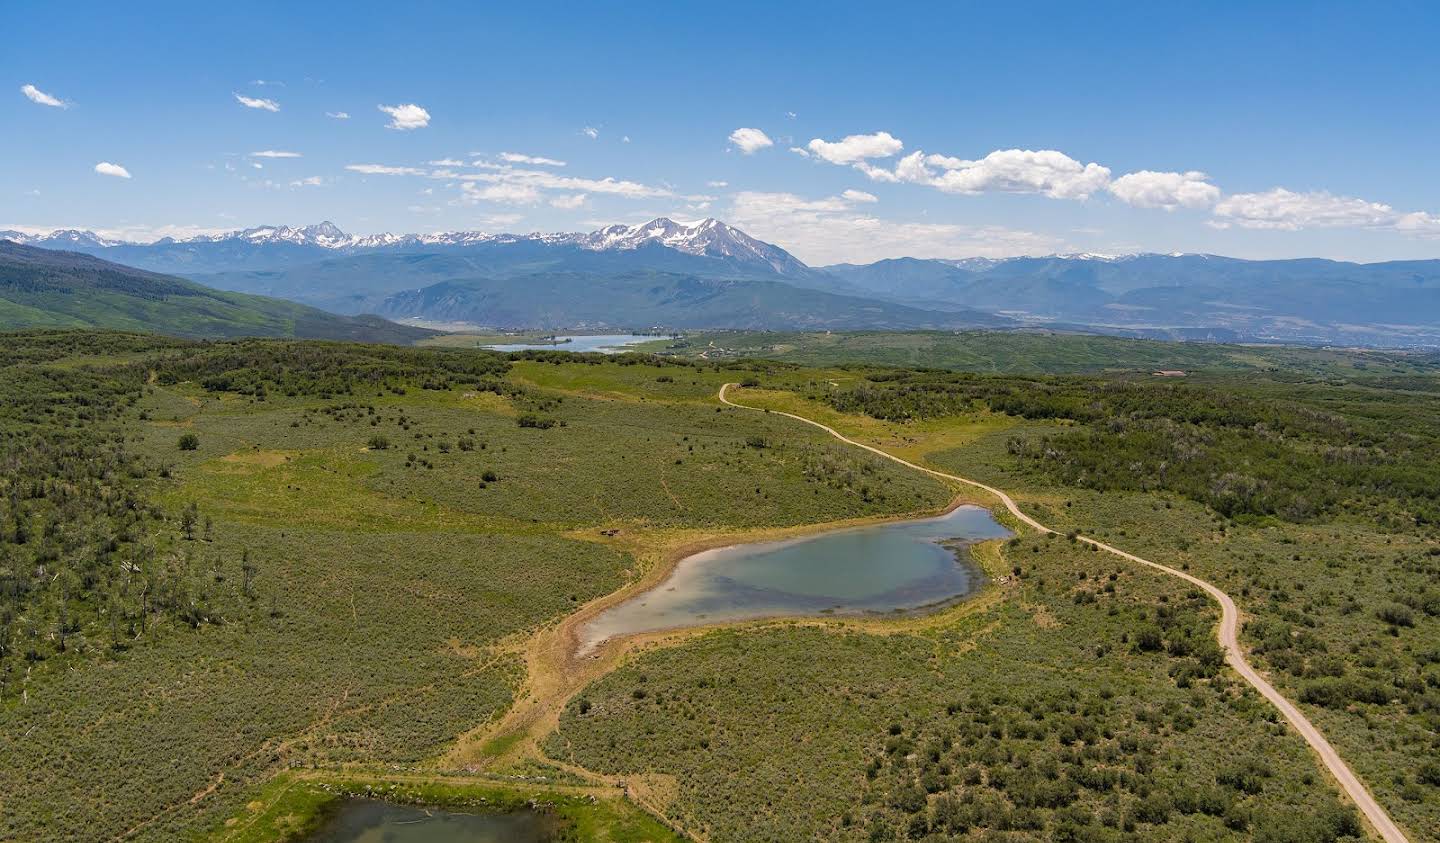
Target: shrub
x=379, y=443
x=1396, y=615
x=189, y=442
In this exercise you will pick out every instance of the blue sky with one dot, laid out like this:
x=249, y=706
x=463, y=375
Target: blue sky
x=1289, y=130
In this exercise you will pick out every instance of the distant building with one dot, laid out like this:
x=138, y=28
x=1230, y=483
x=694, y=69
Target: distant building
x=1168, y=373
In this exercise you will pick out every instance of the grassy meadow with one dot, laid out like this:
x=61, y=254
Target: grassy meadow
x=243, y=579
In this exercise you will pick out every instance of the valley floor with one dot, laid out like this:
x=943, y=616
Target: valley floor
x=388, y=555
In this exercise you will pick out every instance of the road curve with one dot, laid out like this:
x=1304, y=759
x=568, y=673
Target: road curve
x=1228, y=634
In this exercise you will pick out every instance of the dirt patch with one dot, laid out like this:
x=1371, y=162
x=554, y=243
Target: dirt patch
x=257, y=459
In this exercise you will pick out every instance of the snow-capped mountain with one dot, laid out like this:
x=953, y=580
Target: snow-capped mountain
x=270, y=247
x=708, y=238
x=61, y=238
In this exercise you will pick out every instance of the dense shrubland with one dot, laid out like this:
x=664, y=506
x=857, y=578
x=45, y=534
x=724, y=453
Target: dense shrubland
x=1243, y=448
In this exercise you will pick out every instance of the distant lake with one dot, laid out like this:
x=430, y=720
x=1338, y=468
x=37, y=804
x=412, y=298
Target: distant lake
x=901, y=565
x=603, y=343
x=373, y=821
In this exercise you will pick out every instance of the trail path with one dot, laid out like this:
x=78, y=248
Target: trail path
x=1228, y=634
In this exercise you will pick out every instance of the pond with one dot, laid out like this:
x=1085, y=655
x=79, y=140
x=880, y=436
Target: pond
x=603, y=343
x=373, y=821
x=896, y=566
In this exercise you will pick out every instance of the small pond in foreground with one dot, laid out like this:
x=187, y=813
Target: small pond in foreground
x=373, y=821
x=895, y=566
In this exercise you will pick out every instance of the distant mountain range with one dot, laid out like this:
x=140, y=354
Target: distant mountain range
x=43, y=288
x=710, y=274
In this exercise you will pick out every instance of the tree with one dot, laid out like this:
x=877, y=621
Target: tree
x=189, y=442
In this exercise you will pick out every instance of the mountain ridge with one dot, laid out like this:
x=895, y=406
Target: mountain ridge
x=45, y=288
x=1391, y=303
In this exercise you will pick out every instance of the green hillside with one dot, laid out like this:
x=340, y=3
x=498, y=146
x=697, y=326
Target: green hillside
x=40, y=288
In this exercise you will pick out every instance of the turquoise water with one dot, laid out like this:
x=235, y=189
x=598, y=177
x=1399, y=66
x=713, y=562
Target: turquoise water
x=373, y=821
x=603, y=343
x=900, y=565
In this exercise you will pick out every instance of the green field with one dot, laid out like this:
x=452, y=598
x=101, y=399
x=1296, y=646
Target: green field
x=1034, y=352
x=240, y=579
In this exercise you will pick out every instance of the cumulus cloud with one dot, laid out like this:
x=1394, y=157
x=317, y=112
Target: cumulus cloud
x=858, y=196
x=750, y=141
x=105, y=168
x=591, y=132
x=1045, y=171
x=569, y=203
x=717, y=184
x=406, y=117
x=1149, y=189
x=384, y=170
x=274, y=153
x=257, y=102
x=856, y=148
x=1287, y=210
x=338, y=115
x=38, y=96
x=520, y=158
x=832, y=230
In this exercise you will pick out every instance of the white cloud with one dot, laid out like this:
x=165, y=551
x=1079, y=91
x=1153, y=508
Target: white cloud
x=856, y=148
x=257, y=102
x=1286, y=210
x=446, y=162
x=519, y=158
x=547, y=180
x=308, y=181
x=859, y=196
x=338, y=115
x=105, y=168
x=750, y=141
x=832, y=230
x=569, y=203
x=274, y=153
x=717, y=184
x=511, y=194
x=263, y=82
x=591, y=132
x=406, y=117
x=384, y=170
x=38, y=96
x=1045, y=171
x=1418, y=222
x=1149, y=189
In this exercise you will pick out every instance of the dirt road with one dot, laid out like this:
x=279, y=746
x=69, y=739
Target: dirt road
x=1228, y=635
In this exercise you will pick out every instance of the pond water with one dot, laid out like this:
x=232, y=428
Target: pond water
x=603, y=343
x=897, y=566
x=373, y=821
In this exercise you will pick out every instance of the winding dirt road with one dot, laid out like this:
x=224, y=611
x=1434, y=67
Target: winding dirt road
x=1228, y=634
